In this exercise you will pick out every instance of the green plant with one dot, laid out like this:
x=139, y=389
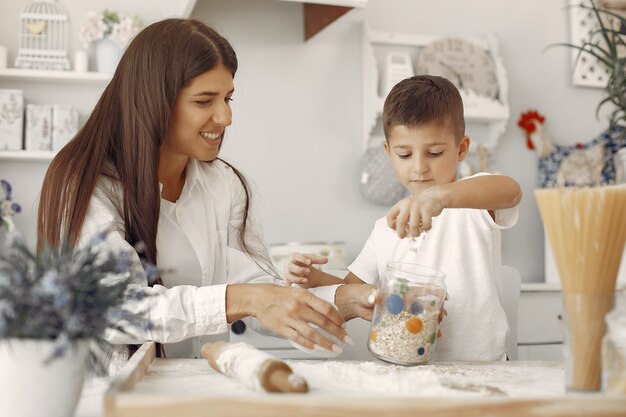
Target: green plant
x=608, y=45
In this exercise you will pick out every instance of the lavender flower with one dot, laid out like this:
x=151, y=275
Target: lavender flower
x=66, y=294
x=6, y=189
x=7, y=207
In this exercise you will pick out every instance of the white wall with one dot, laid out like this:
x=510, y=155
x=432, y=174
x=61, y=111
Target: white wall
x=297, y=123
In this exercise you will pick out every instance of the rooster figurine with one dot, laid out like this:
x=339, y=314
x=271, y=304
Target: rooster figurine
x=577, y=165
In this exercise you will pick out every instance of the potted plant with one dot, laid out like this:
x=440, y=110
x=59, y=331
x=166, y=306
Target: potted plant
x=598, y=160
x=608, y=45
x=111, y=32
x=54, y=309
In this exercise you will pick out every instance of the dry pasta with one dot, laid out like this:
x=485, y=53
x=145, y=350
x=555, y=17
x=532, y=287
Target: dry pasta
x=586, y=228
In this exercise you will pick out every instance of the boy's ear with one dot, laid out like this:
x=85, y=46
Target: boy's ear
x=387, y=148
x=464, y=147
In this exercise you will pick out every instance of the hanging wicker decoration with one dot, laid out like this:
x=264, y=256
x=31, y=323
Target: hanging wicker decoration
x=43, y=37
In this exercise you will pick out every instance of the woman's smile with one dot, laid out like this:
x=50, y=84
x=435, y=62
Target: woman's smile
x=212, y=138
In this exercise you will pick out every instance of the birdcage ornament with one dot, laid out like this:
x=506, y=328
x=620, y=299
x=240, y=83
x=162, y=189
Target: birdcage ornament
x=43, y=37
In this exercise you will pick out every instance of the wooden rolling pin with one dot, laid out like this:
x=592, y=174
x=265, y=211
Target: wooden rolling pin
x=254, y=368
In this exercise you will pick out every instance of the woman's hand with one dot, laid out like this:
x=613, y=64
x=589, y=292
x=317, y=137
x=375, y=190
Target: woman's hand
x=414, y=215
x=356, y=300
x=299, y=269
x=288, y=312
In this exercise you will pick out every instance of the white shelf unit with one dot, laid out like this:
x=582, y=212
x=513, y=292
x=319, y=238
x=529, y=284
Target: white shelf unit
x=16, y=74
x=27, y=156
x=493, y=114
x=73, y=87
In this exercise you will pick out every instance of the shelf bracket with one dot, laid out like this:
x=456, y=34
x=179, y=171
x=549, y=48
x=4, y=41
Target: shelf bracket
x=318, y=16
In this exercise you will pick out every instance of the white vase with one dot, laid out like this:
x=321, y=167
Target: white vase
x=620, y=166
x=107, y=55
x=30, y=388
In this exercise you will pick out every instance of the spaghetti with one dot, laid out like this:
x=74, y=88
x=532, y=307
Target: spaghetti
x=586, y=228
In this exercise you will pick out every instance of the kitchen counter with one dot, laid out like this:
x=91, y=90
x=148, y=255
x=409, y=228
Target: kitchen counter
x=190, y=387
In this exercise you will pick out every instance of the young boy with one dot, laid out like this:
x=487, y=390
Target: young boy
x=425, y=139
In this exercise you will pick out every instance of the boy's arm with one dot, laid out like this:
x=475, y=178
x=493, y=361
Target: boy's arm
x=319, y=278
x=488, y=192
x=353, y=279
x=299, y=269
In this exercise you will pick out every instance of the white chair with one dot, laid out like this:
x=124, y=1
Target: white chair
x=511, y=288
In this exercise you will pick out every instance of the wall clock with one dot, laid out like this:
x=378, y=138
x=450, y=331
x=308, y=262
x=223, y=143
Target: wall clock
x=469, y=66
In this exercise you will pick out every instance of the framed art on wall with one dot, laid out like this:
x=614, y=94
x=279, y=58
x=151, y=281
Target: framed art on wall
x=588, y=71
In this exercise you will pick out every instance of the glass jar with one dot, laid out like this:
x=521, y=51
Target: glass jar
x=406, y=314
x=584, y=328
x=614, y=351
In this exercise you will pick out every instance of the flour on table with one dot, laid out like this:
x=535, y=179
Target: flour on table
x=433, y=380
x=350, y=379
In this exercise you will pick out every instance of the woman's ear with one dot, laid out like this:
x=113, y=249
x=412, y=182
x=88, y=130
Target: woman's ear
x=464, y=147
x=387, y=149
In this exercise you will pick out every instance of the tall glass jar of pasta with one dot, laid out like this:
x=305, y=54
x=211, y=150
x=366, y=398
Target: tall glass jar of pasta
x=614, y=349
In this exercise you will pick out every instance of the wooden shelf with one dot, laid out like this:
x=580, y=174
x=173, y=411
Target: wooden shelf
x=27, y=156
x=318, y=14
x=17, y=74
x=347, y=3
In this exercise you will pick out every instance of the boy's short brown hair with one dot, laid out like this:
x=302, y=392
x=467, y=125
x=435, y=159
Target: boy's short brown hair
x=424, y=99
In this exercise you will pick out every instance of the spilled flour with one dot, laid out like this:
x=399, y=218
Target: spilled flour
x=369, y=379
x=435, y=380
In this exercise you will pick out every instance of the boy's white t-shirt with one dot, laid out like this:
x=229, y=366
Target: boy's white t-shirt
x=465, y=245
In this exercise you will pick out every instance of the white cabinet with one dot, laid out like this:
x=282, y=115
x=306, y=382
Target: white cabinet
x=540, y=352
x=485, y=118
x=25, y=170
x=540, y=323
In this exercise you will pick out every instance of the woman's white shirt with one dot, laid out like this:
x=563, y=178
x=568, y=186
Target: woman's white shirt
x=198, y=255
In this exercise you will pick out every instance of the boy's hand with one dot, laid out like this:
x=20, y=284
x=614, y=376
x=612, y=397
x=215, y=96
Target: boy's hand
x=414, y=215
x=356, y=300
x=299, y=269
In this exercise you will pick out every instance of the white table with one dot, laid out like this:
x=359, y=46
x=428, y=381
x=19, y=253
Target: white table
x=348, y=388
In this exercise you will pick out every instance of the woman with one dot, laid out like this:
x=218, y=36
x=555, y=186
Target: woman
x=146, y=166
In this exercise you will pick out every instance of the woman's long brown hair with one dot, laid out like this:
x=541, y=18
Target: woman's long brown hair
x=122, y=137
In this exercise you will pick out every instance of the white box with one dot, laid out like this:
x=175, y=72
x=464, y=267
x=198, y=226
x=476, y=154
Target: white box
x=11, y=119
x=38, y=127
x=64, y=125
